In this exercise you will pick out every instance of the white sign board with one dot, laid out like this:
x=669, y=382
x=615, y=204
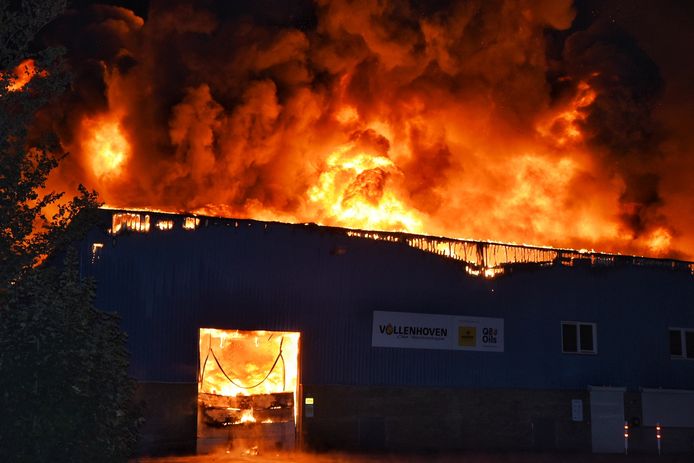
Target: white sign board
x=429, y=331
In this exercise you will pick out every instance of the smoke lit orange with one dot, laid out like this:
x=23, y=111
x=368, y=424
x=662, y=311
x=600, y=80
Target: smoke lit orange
x=105, y=146
x=384, y=117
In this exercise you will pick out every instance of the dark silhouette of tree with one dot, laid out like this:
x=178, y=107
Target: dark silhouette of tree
x=64, y=390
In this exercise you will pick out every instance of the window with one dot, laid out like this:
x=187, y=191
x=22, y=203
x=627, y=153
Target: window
x=578, y=338
x=682, y=343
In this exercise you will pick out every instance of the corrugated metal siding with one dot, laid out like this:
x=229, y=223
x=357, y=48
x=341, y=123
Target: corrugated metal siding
x=167, y=284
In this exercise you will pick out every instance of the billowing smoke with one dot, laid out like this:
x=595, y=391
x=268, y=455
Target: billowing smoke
x=467, y=119
x=620, y=126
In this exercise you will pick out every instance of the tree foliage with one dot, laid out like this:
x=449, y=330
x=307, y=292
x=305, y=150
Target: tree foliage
x=64, y=390
x=66, y=394
x=27, y=234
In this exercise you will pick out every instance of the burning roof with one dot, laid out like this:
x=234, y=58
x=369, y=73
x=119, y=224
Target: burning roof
x=480, y=258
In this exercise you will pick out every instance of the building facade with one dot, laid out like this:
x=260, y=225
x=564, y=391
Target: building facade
x=392, y=355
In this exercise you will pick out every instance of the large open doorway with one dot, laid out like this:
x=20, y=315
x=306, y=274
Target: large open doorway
x=247, y=390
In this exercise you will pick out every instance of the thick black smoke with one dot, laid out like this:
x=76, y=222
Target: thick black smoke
x=620, y=125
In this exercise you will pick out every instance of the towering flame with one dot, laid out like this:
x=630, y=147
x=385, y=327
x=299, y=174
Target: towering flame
x=353, y=190
x=452, y=119
x=104, y=144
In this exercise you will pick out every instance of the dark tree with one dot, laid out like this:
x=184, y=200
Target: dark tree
x=64, y=390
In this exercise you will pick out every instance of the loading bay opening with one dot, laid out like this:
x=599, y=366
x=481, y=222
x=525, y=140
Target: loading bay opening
x=248, y=390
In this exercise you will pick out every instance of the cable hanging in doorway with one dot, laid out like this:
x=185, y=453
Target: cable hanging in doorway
x=219, y=365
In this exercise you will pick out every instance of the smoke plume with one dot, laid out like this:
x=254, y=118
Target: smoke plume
x=497, y=120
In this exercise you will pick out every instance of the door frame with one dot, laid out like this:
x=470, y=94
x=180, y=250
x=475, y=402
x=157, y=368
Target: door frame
x=616, y=428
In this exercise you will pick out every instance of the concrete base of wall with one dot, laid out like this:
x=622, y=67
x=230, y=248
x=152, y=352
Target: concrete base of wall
x=642, y=438
x=408, y=419
x=426, y=419
x=170, y=413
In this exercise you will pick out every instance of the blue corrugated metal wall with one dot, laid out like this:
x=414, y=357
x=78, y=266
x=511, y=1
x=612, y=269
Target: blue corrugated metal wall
x=167, y=284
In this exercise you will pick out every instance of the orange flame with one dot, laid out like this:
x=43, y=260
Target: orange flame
x=247, y=416
x=105, y=146
x=22, y=75
x=432, y=129
x=659, y=241
x=353, y=191
x=563, y=127
x=252, y=362
x=361, y=187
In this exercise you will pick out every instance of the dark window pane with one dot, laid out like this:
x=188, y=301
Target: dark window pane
x=568, y=338
x=586, y=338
x=675, y=343
x=689, y=343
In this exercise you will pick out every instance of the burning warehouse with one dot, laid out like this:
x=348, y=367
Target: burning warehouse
x=262, y=334
x=392, y=124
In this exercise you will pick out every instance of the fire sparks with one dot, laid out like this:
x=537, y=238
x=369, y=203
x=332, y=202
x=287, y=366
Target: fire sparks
x=105, y=146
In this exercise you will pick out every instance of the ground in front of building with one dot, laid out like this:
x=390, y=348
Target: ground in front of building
x=272, y=457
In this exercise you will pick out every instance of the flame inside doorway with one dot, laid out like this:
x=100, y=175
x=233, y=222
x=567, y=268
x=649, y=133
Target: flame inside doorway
x=247, y=387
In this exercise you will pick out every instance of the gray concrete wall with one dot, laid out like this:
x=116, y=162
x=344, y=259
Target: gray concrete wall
x=170, y=414
x=642, y=438
x=393, y=419
x=396, y=419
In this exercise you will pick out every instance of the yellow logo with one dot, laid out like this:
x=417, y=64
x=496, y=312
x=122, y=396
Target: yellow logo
x=467, y=336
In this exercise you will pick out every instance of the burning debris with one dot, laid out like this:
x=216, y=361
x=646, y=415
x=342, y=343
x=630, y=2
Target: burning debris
x=496, y=120
x=221, y=410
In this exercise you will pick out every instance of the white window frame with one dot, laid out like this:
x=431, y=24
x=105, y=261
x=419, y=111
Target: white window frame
x=577, y=324
x=683, y=342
